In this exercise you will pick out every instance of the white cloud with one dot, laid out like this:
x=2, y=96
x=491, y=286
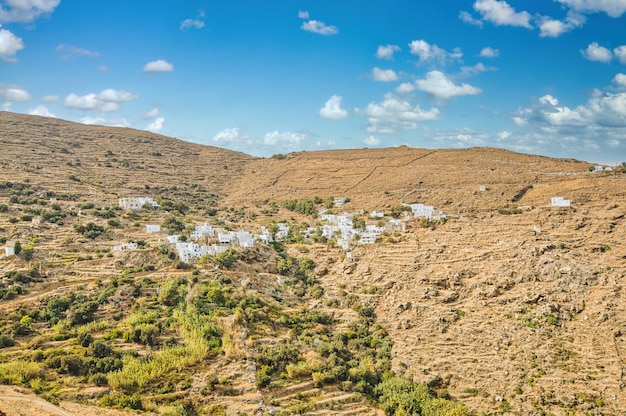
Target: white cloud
x=371, y=141
x=428, y=52
x=9, y=45
x=595, y=52
x=303, y=14
x=332, y=109
x=13, y=94
x=602, y=110
x=395, y=114
x=288, y=139
x=503, y=135
x=41, y=110
x=500, y=13
x=442, y=87
x=620, y=79
x=461, y=137
x=468, y=18
x=405, y=88
x=489, y=52
x=85, y=102
x=50, y=98
x=554, y=28
x=614, y=8
x=158, y=66
x=102, y=68
x=151, y=114
x=384, y=75
x=107, y=101
x=230, y=136
x=69, y=51
x=104, y=122
x=318, y=27
x=191, y=23
x=26, y=11
x=469, y=71
x=620, y=53
x=386, y=51
x=115, y=96
x=156, y=125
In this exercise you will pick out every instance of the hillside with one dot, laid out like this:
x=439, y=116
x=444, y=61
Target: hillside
x=506, y=306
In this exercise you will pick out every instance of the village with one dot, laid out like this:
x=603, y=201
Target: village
x=339, y=228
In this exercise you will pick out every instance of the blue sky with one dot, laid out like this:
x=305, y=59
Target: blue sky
x=544, y=77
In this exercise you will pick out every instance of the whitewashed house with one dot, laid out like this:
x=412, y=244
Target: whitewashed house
x=9, y=249
x=173, y=239
x=151, y=229
x=396, y=225
x=283, y=231
x=189, y=252
x=482, y=188
x=224, y=237
x=421, y=210
x=339, y=201
x=202, y=231
x=559, y=201
x=125, y=246
x=265, y=235
x=344, y=244
x=136, y=203
x=242, y=239
x=375, y=214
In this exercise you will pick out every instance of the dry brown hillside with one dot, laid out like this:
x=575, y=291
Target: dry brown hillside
x=510, y=306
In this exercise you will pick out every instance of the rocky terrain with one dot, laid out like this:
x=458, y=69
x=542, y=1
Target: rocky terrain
x=510, y=306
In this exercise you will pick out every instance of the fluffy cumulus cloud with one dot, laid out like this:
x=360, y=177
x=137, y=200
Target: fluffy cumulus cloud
x=191, y=24
x=384, y=75
x=10, y=94
x=394, y=114
x=303, y=14
x=386, y=51
x=41, y=110
x=620, y=54
x=332, y=109
x=440, y=86
x=553, y=28
x=614, y=8
x=158, y=66
x=371, y=141
x=230, y=136
x=595, y=52
x=321, y=28
x=489, y=52
x=156, y=125
x=428, y=52
x=500, y=13
x=405, y=88
x=106, y=101
x=620, y=80
x=598, y=123
x=105, y=122
x=69, y=51
x=289, y=140
x=9, y=45
x=26, y=11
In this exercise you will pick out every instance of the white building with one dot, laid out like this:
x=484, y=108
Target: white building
x=421, y=210
x=136, y=203
x=375, y=214
x=339, y=201
x=266, y=236
x=283, y=231
x=201, y=231
x=125, y=246
x=151, y=229
x=189, y=252
x=559, y=201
